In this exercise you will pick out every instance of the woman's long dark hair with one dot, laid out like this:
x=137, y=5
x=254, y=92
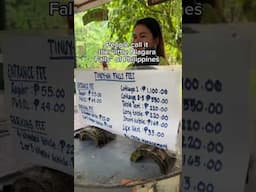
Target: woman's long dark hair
x=155, y=28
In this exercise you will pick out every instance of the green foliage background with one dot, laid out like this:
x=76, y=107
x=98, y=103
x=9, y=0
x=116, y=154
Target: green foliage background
x=27, y=15
x=240, y=10
x=122, y=16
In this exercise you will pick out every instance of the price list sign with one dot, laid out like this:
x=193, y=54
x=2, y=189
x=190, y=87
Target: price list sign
x=144, y=105
x=38, y=79
x=215, y=120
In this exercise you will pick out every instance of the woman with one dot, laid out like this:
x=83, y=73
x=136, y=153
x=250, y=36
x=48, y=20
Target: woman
x=147, y=36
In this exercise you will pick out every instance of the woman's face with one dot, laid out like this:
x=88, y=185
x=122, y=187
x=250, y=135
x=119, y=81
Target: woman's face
x=142, y=34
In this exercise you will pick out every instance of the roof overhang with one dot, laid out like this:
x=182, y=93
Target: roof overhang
x=83, y=5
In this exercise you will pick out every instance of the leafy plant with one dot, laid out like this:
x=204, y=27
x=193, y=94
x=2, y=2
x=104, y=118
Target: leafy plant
x=122, y=16
x=24, y=15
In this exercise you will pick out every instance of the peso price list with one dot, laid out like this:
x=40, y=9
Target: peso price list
x=145, y=111
x=32, y=99
x=202, y=130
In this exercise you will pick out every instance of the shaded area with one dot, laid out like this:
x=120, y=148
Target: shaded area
x=111, y=164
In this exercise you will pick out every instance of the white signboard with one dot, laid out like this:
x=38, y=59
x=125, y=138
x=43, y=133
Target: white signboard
x=215, y=113
x=39, y=95
x=144, y=105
